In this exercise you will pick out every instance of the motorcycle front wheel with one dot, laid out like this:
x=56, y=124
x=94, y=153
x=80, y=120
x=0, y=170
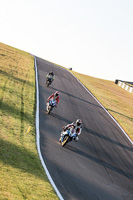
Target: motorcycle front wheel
x=65, y=140
x=48, y=109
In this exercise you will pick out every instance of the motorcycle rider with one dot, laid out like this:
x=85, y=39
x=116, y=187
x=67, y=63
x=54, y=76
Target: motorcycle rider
x=77, y=126
x=50, y=75
x=55, y=96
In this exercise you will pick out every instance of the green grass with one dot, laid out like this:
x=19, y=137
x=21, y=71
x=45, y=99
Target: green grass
x=116, y=100
x=21, y=173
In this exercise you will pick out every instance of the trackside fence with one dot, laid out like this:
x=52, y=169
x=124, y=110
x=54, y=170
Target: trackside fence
x=125, y=85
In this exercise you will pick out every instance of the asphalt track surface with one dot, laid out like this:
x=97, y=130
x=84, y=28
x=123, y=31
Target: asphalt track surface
x=97, y=167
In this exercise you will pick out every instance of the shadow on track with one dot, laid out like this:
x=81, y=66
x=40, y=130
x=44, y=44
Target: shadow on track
x=60, y=118
x=108, y=139
x=77, y=97
x=100, y=162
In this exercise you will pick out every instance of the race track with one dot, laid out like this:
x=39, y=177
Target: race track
x=100, y=165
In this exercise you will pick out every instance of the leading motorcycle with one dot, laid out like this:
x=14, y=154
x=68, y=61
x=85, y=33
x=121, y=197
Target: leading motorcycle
x=49, y=80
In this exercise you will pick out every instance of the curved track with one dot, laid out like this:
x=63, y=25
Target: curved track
x=100, y=165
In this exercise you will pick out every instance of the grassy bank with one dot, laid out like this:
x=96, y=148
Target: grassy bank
x=21, y=173
x=116, y=100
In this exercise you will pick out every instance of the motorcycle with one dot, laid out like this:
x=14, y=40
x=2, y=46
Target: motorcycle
x=49, y=80
x=67, y=136
x=50, y=105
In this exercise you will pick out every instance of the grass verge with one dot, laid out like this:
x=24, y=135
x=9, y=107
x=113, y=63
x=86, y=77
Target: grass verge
x=21, y=173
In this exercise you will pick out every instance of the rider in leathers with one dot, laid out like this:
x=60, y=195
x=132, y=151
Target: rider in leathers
x=55, y=96
x=50, y=75
x=77, y=126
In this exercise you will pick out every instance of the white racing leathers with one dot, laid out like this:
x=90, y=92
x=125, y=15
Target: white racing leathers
x=77, y=129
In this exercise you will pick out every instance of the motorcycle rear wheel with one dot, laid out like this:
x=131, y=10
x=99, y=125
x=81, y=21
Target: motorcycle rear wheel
x=47, y=83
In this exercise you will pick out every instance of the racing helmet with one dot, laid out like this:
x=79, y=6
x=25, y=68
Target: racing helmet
x=56, y=94
x=78, y=122
x=52, y=73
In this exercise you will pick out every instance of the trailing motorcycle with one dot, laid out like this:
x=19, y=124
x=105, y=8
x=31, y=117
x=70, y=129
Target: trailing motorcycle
x=67, y=136
x=50, y=105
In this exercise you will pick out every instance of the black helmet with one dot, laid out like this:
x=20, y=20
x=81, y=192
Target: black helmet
x=78, y=122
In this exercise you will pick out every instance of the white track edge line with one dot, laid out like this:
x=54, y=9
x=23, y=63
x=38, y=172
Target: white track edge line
x=38, y=135
x=104, y=109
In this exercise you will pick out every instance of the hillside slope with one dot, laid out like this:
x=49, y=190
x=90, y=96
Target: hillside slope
x=21, y=173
